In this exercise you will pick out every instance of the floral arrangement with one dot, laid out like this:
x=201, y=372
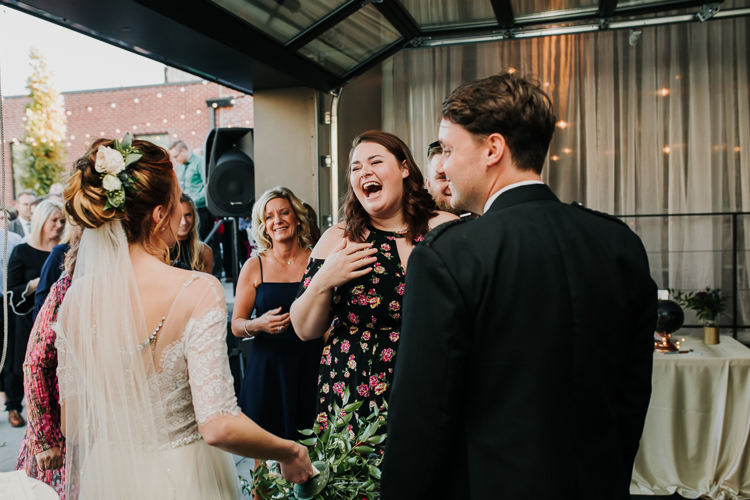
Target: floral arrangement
x=350, y=459
x=112, y=165
x=707, y=303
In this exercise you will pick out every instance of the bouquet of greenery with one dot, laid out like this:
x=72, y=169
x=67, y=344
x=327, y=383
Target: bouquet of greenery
x=349, y=461
x=707, y=303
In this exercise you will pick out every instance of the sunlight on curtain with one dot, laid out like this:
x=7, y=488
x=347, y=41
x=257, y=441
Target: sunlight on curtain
x=658, y=127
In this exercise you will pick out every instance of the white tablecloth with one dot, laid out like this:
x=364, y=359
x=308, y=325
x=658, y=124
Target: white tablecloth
x=695, y=441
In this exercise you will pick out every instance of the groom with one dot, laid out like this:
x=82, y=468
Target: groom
x=524, y=369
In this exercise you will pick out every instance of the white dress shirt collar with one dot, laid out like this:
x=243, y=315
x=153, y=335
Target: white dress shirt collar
x=492, y=198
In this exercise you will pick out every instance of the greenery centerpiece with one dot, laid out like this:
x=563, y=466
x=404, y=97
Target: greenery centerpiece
x=347, y=449
x=707, y=304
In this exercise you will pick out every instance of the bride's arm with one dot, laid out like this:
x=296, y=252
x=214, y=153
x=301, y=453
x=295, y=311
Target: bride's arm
x=220, y=421
x=241, y=436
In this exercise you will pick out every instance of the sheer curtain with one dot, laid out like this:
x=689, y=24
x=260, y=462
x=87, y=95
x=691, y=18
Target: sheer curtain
x=661, y=126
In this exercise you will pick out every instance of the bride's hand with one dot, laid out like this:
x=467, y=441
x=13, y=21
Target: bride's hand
x=345, y=262
x=297, y=468
x=273, y=322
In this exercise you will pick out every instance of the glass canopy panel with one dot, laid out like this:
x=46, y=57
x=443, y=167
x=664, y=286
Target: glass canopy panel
x=352, y=41
x=280, y=19
x=549, y=8
x=434, y=14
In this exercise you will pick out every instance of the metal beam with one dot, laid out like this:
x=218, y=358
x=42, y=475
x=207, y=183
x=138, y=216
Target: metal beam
x=324, y=24
x=504, y=13
x=607, y=8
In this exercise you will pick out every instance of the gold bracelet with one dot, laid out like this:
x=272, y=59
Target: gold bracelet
x=244, y=327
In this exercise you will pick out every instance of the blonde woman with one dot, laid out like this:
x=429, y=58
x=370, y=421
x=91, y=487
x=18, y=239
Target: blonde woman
x=24, y=267
x=280, y=383
x=190, y=252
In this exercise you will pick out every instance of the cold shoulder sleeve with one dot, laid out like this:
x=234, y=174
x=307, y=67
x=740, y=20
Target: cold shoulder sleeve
x=211, y=381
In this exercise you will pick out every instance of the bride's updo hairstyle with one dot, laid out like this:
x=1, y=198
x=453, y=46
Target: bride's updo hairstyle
x=152, y=183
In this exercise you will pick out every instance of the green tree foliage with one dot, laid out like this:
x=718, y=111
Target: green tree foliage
x=44, y=127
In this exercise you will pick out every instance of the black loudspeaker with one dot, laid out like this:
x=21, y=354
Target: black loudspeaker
x=230, y=172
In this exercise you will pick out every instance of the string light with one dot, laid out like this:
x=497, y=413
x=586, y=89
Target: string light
x=664, y=92
x=562, y=124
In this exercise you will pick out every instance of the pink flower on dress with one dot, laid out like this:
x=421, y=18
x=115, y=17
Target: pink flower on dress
x=375, y=280
x=381, y=388
x=362, y=300
x=306, y=283
x=394, y=336
x=338, y=388
x=387, y=354
x=353, y=330
x=363, y=390
x=345, y=345
x=366, y=335
x=374, y=302
x=378, y=269
x=357, y=290
x=373, y=380
x=322, y=420
x=353, y=318
x=385, y=246
x=419, y=238
x=394, y=305
x=400, y=288
x=325, y=388
x=352, y=363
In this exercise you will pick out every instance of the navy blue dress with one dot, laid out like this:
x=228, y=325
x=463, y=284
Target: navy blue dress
x=281, y=378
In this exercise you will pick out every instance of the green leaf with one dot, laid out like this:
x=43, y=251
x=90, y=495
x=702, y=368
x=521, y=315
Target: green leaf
x=364, y=450
x=374, y=471
x=376, y=439
x=309, y=441
x=127, y=141
x=306, y=432
x=132, y=158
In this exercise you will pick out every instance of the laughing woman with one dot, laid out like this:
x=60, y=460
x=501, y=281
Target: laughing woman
x=355, y=278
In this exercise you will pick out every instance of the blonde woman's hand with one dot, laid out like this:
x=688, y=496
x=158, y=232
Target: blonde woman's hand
x=272, y=321
x=297, y=468
x=346, y=262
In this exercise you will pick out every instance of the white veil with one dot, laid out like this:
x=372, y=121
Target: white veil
x=115, y=427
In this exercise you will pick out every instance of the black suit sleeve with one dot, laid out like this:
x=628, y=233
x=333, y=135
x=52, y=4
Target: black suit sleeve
x=425, y=406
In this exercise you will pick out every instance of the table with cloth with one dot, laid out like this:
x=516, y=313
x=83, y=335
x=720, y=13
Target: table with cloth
x=695, y=441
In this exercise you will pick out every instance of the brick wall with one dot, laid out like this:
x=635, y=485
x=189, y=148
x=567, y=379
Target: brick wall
x=178, y=110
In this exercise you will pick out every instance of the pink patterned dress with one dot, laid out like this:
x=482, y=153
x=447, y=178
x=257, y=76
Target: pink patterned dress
x=41, y=391
x=361, y=349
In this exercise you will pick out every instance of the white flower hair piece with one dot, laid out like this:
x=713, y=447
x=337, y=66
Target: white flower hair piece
x=112, y=165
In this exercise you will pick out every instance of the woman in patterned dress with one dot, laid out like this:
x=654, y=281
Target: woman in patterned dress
x=355, y=278
x=42, y=453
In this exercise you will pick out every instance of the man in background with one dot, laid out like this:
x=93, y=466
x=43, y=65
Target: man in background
x=436, y=183
x=22, y=224
x=191, y=174
x=503, y=388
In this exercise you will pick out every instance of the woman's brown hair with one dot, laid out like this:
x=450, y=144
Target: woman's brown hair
x=417, y=204
x=153, y=183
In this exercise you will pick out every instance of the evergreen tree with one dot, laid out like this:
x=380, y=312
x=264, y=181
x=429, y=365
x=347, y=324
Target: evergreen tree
x=44, y=130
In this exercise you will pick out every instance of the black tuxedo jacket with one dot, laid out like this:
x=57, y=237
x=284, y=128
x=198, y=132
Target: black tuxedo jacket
x=524, y=366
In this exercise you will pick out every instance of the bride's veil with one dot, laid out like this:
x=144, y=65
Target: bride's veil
x=114, y=423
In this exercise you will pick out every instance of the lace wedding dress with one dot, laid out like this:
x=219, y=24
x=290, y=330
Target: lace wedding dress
x=132, y=407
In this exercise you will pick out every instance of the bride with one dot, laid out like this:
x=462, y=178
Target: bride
x=146, y=393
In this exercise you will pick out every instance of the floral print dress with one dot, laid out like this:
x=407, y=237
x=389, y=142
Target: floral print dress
x=361, y=349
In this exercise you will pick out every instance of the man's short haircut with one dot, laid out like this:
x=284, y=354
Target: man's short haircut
x=510, y=105
x=26, y=192
x=179, y=143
